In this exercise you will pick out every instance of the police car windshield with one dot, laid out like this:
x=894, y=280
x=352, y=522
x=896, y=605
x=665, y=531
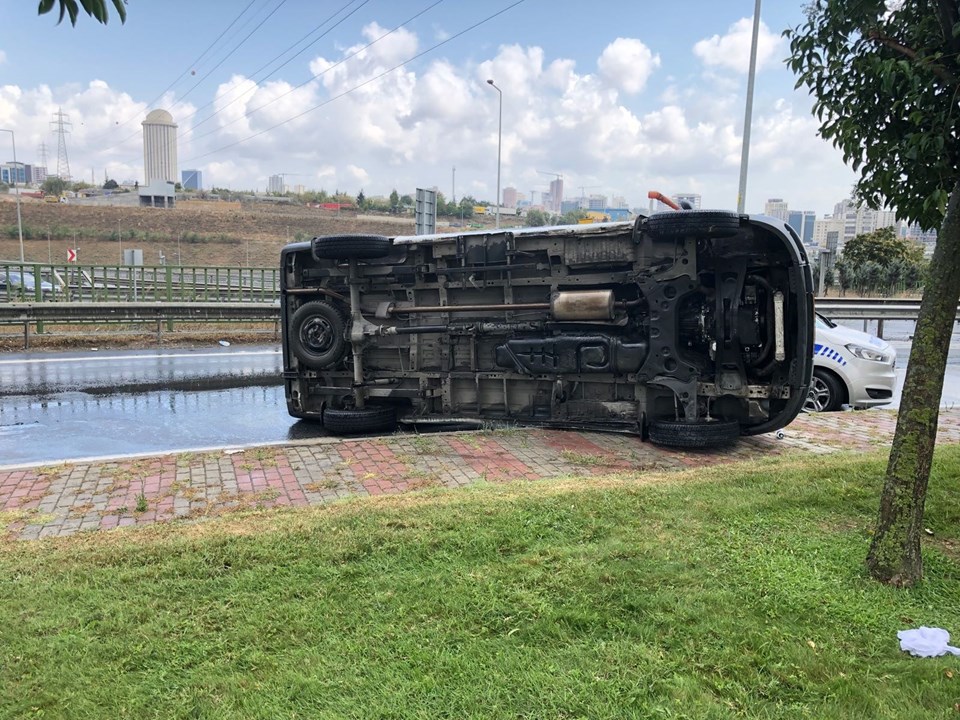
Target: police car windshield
x=822, y=322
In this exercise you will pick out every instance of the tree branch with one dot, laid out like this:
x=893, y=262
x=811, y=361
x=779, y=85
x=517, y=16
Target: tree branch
x=939, y=70
x=949, y=16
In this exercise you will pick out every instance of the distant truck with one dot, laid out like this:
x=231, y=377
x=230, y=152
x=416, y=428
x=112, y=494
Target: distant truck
x=492, y=210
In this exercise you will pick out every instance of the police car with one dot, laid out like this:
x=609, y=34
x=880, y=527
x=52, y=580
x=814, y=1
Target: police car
x=849, y=368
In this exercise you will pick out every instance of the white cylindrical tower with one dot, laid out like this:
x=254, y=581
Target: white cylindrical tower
x=160, y=147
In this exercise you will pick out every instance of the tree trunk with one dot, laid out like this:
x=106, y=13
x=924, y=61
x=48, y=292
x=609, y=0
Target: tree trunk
x=894, y=555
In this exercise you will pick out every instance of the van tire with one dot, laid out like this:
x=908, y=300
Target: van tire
x=678, y=224
x=347, y=247
x=317, y=334
x=374, y=418
x=700, y=434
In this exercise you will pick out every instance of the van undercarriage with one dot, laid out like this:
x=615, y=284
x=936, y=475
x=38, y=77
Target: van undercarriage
x=692, y=327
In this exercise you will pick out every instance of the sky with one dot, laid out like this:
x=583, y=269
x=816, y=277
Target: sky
x=617, y=97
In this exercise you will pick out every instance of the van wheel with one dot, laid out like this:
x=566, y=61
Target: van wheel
x=678, y=224
x=374, y=418
x=346, y=247
x=825, y=394
x=317, y=334
x=700, y=434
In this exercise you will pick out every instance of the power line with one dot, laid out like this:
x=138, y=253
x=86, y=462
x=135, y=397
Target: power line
x=210, y=72
x=235, y=48
x=257, y=109
x=284, y=64
x=188, y=69
x=357, y=87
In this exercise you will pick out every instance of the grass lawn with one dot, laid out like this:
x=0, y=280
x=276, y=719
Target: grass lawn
x=732, y=592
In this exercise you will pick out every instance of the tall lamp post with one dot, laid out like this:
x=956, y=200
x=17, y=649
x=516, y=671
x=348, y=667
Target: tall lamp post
x=499, y=144
x=16, y=171
x=745, y=150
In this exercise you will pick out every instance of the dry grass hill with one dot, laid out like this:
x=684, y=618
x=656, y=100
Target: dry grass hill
x=205, y=233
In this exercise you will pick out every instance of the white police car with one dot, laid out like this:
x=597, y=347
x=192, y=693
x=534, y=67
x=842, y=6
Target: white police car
x=849, y=368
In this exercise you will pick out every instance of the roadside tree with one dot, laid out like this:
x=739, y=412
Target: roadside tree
x=53, y=186
x=885, y=78
x=537, y=218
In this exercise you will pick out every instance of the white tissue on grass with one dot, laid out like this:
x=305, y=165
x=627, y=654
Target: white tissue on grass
x=926, y=642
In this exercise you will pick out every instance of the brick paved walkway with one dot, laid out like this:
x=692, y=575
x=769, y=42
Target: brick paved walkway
x=69, y=498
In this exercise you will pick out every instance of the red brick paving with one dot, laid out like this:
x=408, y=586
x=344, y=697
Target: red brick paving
x=69, y=498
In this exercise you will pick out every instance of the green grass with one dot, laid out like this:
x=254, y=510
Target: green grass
x=733, y=592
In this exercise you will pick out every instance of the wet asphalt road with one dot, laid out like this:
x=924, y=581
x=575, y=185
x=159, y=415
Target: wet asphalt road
x=86, y=404
x=59, y=406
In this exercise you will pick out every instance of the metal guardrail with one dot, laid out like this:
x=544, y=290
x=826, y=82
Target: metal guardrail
x=870, y=308
x=39, y=282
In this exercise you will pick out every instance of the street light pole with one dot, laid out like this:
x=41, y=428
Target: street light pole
x=748, y=113
x=499, y=144
x=16, y=171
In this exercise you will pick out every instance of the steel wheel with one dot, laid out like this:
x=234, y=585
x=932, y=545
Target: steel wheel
x=318, y=334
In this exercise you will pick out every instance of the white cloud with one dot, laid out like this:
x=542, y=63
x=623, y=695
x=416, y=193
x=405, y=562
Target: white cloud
x=627, y=64
x=732, y=51
x=411, y=127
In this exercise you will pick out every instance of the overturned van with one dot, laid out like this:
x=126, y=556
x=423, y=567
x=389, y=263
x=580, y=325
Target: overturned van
x=690, y=328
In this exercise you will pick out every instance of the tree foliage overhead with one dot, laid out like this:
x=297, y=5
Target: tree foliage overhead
x=885, y=88
x=97, y=9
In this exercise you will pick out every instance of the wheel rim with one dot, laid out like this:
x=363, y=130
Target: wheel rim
x=819, y=397
x=317, y=334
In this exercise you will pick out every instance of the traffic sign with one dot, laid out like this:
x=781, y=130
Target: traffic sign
x=71, y=255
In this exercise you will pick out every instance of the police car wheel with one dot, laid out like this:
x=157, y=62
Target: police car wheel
x=825, y=394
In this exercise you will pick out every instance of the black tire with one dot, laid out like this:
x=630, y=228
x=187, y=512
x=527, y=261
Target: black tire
x=317, y=334
x=679, y=224
x=374, y=418
x=702, y=434
x=826, y=392
x=345, y=247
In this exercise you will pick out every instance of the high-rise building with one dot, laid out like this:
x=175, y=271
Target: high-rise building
x=692, y=198
x=802, y=221
x=275, y=184
x=852, y=220
x=510, y=197
x=618, y=202
x=776, y=207
x=556, y=194
x=160, y=147
x=596, y=202
x=191, y=180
